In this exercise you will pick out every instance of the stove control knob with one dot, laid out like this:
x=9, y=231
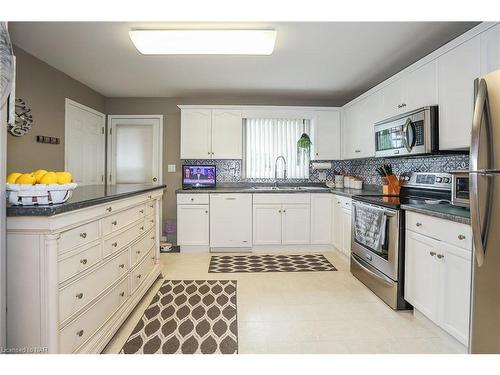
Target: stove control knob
x=446, y=180
x=439, y=179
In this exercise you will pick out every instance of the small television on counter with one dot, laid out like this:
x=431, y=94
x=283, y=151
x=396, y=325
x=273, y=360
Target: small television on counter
x=198, y=176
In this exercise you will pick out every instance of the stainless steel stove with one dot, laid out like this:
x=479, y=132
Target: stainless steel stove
x=377, y=238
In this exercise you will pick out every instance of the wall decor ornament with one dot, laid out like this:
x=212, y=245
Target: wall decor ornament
x=23, y=121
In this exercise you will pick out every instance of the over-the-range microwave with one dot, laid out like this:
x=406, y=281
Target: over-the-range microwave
x=412, y=133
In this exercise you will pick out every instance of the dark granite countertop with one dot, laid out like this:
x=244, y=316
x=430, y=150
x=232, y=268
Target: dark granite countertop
x=443, y=211
x=84, y=196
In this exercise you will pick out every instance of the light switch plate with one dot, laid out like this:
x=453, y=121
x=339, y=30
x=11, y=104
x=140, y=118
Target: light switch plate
x=171, y=168
x=322, y=176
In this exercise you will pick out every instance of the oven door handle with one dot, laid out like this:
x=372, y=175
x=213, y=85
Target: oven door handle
x=378, y=275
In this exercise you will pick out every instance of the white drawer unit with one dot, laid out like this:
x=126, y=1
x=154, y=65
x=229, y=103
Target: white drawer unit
x=193, y=198
x=82, y=267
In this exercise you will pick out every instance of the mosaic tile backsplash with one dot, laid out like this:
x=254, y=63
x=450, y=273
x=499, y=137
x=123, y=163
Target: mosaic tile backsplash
x=230, y=171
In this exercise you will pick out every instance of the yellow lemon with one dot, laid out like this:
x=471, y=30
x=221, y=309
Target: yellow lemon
x=49, y=178
x=39, y=174
x=26, y=179
x=64, y=178
x=11, y=178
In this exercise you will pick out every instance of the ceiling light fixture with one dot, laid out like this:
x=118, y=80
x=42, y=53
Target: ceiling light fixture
x=204, y=42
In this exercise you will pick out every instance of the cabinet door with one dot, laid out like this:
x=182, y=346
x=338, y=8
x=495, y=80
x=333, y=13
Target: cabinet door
x=321, y=219
x=338, y=222
x=457, y=70
x=231, y=220
x=348, y=140
x=327, y=135
x=196, y=134
x=296, y=224
x=456, y=270
x=227, y=138
x=422, y=274
x=267, y=224
x=192, y=225
x=490, y=50
x=346, y=232
x=394, y=99
x=369, y=114
x=421, y=86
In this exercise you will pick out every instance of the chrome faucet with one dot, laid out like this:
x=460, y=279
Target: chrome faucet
x=276, y=169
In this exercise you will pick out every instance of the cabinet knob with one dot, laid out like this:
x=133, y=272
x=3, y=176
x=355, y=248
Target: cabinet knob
x=79, y=295
x=109, y=209
x=461, y=237
x=284, y=211
x=151, y=221
x=141, y=228
x=357, y=151
x=279, y=211
x=122, y=265
x=418, y=224
x=83, y=261
x=114, y=222
x=138, y=251
x=151, y=205
x=80, y=333
x=141, y=211
x=122, y=294
x=208, y=152
x=192, y=199
x=139, y=276
x=432, y=253
x=153, y=238
x=206, y=211
x=114, y=244
x=83, y=235
x=440, y=256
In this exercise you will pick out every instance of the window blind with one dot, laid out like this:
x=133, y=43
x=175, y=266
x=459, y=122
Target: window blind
x=266, y=139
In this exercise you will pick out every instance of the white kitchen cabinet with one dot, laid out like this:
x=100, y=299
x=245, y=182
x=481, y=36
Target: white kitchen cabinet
x=296, y=224
x=422, y=87
x=326, y=142
x=321, y=219
x=349, y=127
x=230, y=221
x=341, y=231
x=196, y=132
x=422, y=274
x=457, y=70
x=267, y=224
x=455, y=290
x=490, y=50
x=211, y=134
x=193, y=225
x=337, y=223
x=394, y=98
x=346, y=232
x=227, y=137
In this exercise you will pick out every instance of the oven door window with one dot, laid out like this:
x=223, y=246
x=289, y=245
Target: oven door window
x=371, y=230
x=462, y=188
x=389, y=139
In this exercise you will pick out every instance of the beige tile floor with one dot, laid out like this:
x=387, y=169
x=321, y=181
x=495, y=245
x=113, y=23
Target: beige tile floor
x=305, y=312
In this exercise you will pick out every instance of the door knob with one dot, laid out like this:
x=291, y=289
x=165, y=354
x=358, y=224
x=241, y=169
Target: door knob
x=155, y=179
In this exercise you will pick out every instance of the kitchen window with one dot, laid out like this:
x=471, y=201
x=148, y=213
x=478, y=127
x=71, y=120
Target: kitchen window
x=268, y=138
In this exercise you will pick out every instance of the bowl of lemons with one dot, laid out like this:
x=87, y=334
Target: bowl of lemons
x=40, y=187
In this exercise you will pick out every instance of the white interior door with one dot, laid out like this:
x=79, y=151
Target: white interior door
x=84, y=143
x=135, y=149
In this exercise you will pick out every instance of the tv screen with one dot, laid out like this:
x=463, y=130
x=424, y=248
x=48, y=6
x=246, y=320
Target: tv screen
x=198, y=176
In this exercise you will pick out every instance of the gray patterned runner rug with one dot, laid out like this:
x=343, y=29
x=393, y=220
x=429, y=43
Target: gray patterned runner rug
x=269, y=263
x=187, y=317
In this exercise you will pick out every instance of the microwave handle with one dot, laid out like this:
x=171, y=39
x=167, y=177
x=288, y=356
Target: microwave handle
x=406, y=135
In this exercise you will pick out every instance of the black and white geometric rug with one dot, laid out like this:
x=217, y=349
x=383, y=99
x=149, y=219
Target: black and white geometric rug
x=269, y=263
x=188, y=317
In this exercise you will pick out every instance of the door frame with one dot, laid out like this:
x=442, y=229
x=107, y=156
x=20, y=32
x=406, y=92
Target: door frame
x=109, y=177
x=68, y=102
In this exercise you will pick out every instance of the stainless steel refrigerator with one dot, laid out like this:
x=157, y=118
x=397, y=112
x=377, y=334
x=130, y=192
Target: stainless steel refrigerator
x=485, y=216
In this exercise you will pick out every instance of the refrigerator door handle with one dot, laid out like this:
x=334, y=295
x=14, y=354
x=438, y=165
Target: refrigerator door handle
x=481, y=108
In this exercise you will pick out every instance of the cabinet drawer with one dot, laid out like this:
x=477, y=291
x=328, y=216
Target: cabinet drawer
x=79, y=236
x=149, y=222
x=199, y=198
x=76, y=262
x=150, y=207
x=278, y=198
x=121, y=219
x=140, y=248
x=78, y=294
x=79, y=331
x=142, y=271
x=122, y=239
x=457, y=234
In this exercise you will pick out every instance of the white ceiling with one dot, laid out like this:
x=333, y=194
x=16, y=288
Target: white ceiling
x=325, y=61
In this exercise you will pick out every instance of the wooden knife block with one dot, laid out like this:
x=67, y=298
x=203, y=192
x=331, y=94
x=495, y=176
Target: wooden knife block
x=391, y=187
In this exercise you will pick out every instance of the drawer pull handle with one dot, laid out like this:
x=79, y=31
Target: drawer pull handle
x=440, y=256
x=461, y=237
x=432, y=253
x=141, y=211
x=79, y=295
x=114, y=222
x=139, y=276
x=83, y=235
x=83, y=261
x=418, y=224
x=122, y=265
x=80, y=333
x=122, y=294
x=109, y=209
x=114, y=244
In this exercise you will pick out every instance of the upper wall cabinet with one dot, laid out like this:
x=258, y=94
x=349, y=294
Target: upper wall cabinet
x=211, y=134
x=326, y=142
x=490, y=50
x=422, y=87
x=394, y=98
x=457, y=70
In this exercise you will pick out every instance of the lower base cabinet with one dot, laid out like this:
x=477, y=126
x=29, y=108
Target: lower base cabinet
x=341, y=223
x=193, y=225
x=438, y=282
